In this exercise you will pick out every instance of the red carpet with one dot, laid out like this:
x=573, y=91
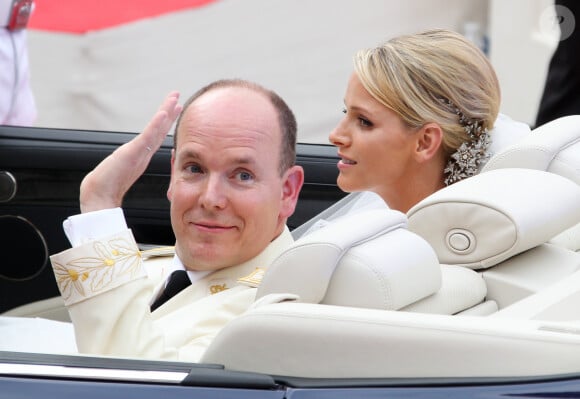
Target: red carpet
x=80, y=16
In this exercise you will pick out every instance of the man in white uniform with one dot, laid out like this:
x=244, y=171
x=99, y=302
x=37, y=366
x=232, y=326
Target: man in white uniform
x=233, y=185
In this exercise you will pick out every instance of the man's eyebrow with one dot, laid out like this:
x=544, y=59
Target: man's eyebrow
x=190, y=154
x=243, y=160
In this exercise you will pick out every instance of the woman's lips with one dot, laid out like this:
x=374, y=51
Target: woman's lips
x=345, y=162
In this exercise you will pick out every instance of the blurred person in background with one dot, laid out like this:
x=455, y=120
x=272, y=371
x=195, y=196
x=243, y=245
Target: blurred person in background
x=17, y=106
x=561, y=96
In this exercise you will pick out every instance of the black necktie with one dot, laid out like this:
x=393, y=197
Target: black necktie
x=178, y=281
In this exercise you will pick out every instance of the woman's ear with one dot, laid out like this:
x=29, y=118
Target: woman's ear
x=429, y=139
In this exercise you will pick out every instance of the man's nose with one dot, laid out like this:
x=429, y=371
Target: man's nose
x=214, y=194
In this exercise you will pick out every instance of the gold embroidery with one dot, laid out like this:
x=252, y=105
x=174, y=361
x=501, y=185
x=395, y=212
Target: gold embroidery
x=73, y=275
x=113, y=258
x=253, y=279
x=214, y=289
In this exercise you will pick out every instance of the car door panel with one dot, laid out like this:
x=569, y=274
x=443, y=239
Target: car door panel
x=49, y=164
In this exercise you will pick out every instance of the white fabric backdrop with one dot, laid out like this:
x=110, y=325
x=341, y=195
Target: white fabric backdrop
x=114, y=79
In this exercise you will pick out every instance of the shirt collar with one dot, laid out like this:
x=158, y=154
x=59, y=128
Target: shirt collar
x=193, y=274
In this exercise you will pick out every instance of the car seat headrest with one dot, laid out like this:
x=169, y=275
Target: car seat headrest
x=365, y=259
x=553, y=147
x=485, y=219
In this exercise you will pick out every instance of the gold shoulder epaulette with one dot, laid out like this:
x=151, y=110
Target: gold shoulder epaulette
x=158, y=251
x=254, y=278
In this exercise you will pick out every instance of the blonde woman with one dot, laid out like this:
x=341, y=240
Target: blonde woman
x=418, y=111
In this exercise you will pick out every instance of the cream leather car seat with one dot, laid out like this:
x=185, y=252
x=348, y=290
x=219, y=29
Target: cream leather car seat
x=372, y=259
x=553, y=147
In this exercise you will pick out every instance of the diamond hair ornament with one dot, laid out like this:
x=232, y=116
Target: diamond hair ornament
x=466, y=161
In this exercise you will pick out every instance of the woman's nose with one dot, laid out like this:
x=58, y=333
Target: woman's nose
x=339, y=136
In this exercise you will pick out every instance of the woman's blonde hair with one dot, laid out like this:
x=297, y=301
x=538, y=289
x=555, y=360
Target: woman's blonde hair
x=430, y=77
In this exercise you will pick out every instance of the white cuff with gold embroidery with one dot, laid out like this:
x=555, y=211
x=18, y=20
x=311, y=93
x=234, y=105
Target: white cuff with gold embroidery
x=97, y=267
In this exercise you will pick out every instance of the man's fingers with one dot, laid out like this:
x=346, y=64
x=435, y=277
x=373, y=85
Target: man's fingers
x=105, y=187
x=156, y=131
x=159, y=126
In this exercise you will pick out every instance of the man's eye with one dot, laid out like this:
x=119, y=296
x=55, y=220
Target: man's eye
x=344, y=111
x=194, y=169
x=245, y=176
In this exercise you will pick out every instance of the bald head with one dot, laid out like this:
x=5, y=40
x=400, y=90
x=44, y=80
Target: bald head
x=285, y=116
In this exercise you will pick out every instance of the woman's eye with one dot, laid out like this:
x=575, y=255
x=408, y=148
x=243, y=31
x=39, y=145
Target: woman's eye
x=365, y=122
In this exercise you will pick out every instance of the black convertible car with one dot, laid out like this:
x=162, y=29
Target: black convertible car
x=474, y=293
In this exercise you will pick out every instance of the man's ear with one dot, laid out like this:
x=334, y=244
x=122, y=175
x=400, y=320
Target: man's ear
x=169, y=190
x=291, y=185
x=429, y=140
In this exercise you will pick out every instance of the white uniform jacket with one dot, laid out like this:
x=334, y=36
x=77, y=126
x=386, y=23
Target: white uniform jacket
x=108, y=294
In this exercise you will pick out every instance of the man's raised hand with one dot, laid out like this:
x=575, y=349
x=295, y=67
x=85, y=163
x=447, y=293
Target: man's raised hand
x=106, y=185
